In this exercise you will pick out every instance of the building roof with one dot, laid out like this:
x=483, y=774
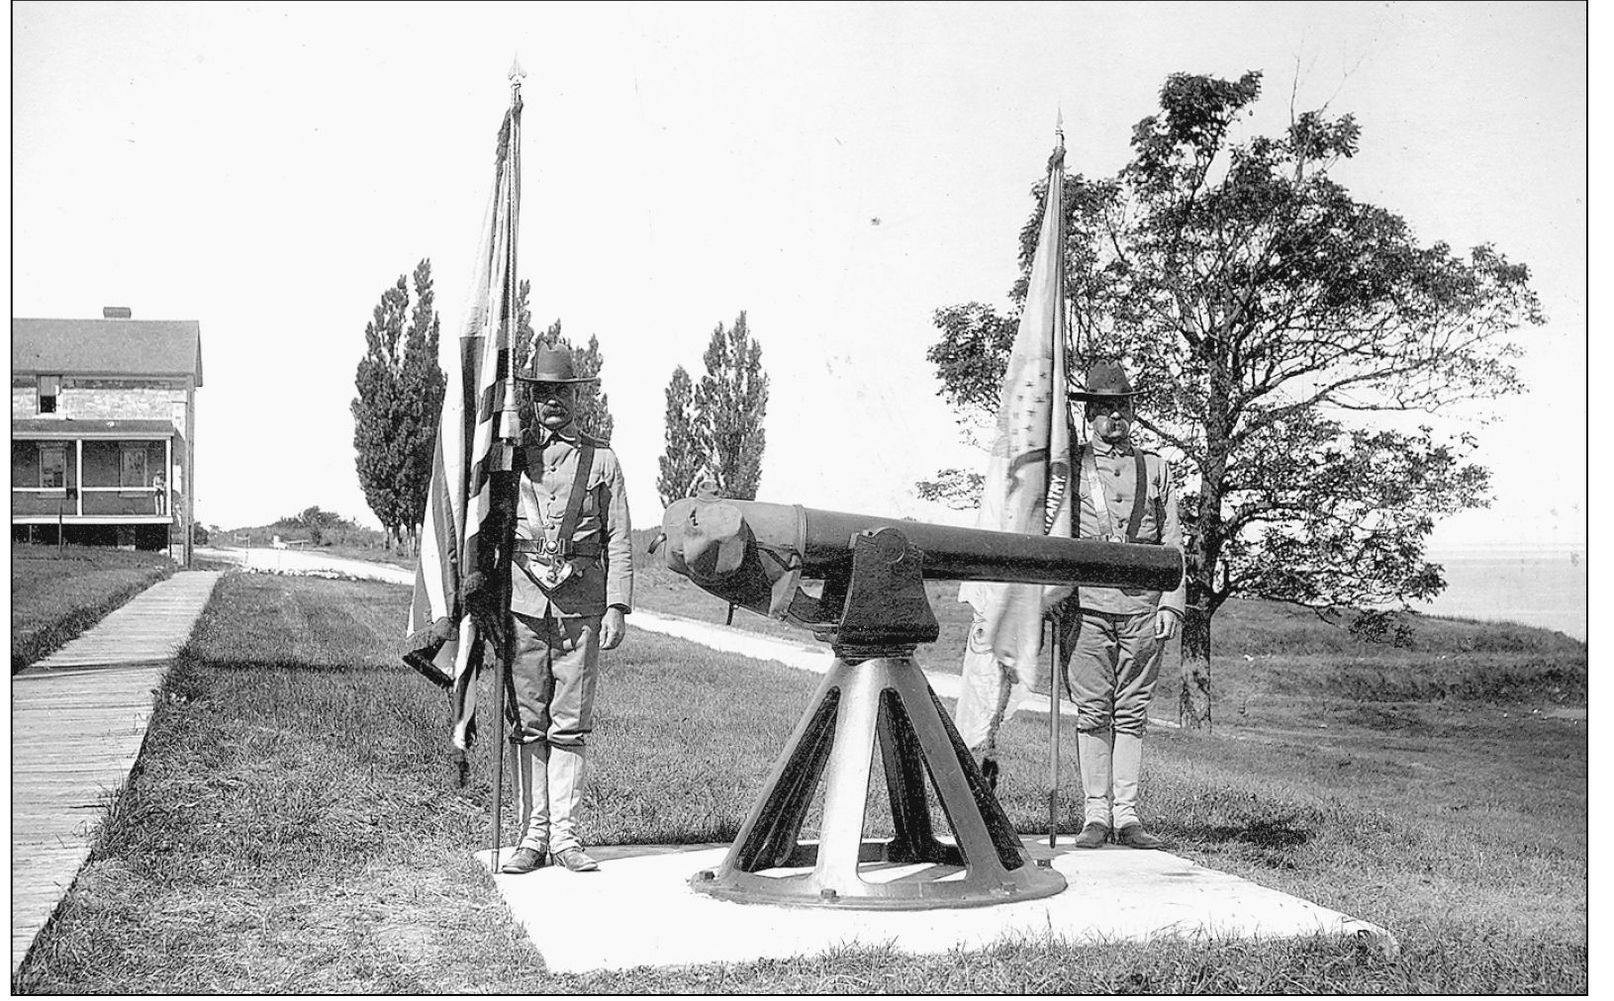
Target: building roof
x=114, y=347
x=66, y=429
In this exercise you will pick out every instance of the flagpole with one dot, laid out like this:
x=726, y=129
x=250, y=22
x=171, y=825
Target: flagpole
x=509, y=441
x=1056, y=191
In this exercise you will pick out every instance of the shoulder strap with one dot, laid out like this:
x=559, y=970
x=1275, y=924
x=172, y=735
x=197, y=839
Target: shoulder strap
x=574, y=503
x=1138, y=497
x=1078, y=471
x=1104, y=524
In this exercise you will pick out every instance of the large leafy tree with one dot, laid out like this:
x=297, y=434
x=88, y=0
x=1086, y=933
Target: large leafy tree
x=1285, y=337
x=731, y=401
x=593, y=405
x=684, y=455
x=400, y=396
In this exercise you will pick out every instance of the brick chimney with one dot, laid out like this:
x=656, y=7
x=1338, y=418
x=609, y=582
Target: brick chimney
x=116, y=312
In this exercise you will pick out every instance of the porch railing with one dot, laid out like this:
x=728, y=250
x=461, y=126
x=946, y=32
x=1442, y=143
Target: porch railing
x=91, y=502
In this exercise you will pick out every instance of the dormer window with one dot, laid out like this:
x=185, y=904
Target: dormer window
x=50, y=387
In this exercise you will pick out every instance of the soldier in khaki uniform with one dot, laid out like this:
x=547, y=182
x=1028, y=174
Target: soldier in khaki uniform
x=1122, y=494
x=572, y=585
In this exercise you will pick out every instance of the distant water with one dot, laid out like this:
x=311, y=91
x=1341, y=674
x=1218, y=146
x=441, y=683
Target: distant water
x=1546, y=589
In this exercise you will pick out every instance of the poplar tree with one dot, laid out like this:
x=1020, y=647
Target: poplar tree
x=685, y=453
x=399, y=404
x=730, y=404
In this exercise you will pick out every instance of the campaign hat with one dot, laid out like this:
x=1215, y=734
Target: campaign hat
x=1106, y=380
x=552, y=364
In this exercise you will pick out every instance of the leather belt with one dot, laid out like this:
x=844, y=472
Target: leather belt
x=578, y=550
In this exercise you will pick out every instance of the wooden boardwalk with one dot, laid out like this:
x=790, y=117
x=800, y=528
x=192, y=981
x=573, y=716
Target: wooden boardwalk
x=78, y=718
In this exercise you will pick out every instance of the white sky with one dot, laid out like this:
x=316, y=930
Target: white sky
x=269, y=169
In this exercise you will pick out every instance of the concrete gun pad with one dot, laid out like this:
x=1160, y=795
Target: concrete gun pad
x=639, y=910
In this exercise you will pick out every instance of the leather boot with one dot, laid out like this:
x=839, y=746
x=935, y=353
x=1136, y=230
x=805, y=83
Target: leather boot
x=1093, y=757
x=568, y=771
x=1125, y=765
x=532, y=795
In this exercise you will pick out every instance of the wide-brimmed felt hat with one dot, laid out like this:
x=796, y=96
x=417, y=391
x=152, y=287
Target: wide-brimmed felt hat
x=1106, y=380
x=552, y=364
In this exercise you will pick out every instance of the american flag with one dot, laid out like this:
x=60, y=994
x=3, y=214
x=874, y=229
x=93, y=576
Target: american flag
x=459, y=587
x=1025, y=488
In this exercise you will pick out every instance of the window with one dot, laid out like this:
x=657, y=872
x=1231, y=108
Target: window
x=132, y=467
x=50, y=387
x=53, y=466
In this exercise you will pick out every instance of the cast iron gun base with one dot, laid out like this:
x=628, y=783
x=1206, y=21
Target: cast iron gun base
x=876, y=696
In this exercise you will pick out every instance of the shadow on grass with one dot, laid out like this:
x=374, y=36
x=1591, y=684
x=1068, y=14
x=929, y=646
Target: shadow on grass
x=1268, y=835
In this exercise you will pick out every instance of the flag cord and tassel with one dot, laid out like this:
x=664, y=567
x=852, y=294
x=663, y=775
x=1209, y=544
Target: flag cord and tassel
x=509, y=441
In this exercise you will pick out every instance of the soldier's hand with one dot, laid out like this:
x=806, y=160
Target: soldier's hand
x=1165, y=624
x=612, y=628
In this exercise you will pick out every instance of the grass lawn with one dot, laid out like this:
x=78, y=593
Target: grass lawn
x=292, y=825
x=57, y=594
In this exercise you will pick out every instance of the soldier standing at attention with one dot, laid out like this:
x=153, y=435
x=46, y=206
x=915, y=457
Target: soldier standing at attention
x=1122, y=494
x=572, y=585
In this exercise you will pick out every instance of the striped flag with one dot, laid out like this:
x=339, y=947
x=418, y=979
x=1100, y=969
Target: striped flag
x=457, y=582
x=1024, y=489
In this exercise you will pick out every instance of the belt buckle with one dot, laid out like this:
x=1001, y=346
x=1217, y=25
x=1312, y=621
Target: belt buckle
x=556, y=570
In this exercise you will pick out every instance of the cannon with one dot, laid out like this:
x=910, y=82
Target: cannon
x=873, y=611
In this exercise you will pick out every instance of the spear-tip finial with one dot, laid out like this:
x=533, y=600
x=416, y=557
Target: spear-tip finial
x=516, y=72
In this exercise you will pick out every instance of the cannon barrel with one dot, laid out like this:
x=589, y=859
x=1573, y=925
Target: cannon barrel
x=952, y=553
x=754, y=553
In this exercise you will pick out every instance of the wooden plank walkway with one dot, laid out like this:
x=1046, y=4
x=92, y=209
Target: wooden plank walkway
x=78, y=718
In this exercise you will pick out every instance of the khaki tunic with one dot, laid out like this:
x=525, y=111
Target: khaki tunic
x=546, y=487
x=1117, y=482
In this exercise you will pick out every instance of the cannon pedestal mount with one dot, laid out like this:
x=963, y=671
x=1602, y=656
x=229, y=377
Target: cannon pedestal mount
x=876, y=697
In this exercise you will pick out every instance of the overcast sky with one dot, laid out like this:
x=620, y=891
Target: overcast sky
x=837, y=171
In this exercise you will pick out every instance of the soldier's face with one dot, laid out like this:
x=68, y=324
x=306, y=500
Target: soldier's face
x=554, y=403
x=1110, y=422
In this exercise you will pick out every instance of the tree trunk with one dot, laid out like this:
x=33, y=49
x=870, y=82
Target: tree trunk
x=1203, y=546
x=1194, y=695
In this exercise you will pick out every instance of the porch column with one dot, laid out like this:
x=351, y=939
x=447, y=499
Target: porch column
x=78, y=482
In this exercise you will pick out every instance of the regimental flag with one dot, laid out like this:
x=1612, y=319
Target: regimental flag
x=1025, y=489
x=457, y=583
